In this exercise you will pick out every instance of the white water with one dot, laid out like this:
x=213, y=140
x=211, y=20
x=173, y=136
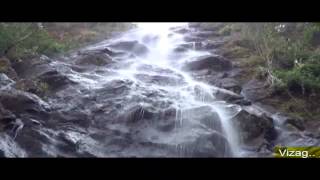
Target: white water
x=188, y=95
x=160, y=54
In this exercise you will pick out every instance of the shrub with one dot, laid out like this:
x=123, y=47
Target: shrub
x=302, y=80
x=20, y=39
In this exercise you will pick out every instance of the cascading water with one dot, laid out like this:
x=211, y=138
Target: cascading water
x=185, y=93
x=139, y=102
x=132, y=96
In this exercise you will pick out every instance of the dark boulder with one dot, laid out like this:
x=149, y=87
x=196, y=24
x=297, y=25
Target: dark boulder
x=34, y=142
x=253, y=124
x=32, y=86
x=211, y=145
x=104, y=51
x=255, y=90
x=55, y=79
x=216, y=63
x=296, y=122
x=22, y=102
x=30, y=68
x=6, y=67
x=95, y=59
x=6, y=117
x=226, y=83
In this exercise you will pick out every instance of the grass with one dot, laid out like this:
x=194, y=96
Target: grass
x=289, y=60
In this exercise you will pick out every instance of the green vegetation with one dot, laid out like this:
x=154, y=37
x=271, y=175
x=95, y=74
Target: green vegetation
x=286, y=56
x=75, y=35
x=24, y=41
x=20, y=40
x=291, y=60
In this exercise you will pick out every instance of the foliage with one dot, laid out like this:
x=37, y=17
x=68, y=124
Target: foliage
x=20, y=39
x=290, y=61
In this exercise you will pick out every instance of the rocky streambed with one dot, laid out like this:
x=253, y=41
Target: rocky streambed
x=144, y=93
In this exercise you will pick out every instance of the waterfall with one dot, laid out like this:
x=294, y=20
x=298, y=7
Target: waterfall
x=188, y=96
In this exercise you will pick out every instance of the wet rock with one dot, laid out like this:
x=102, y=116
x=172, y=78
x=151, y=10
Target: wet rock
x=33, y=142
x=79, y=118
x=114, y=88
x=137, y=113
x=9, y=147
x=216, y=63
x=166, y=125
x=30, y=68
x=180, y=49
x=242, y=102
x=209, y=45
x=68, y=144
x=253, y=124
x=5, y=80
x=298, y=123
x=205, y=34
x=32, y=86
x=202, y=45
x=6, y=67
x=226, y=83
x=6, y=117
x=104, y=52
x=204, y=115
x=95, y=59
x=131, y=46
x=157, y=69
x=14, y=127
x=190, y=45
x=55, y=79
x=201, y=73
x=193, y=39
x=166, y=121
x=226, y=95
x=22, y=102
x=35, y=122
x=181, y=30
x=160, y=79
x=211, y=145
x=255, y=90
